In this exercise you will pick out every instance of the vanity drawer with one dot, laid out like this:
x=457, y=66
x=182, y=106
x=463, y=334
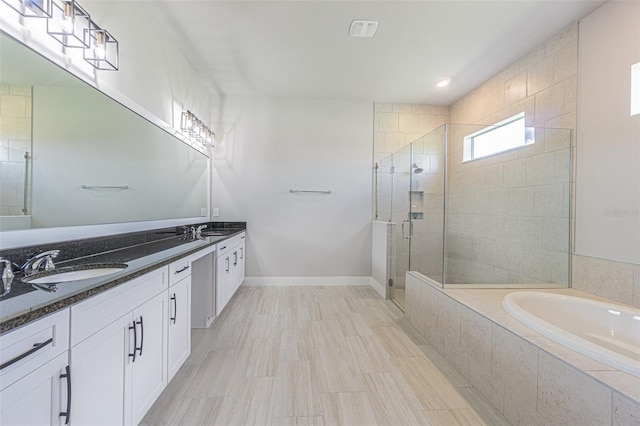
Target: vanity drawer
x=95, y=313
x=24, y=349
x=179, y=269
x=228, y=245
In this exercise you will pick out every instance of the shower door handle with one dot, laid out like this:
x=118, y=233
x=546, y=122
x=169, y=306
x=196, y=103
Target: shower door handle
x=403, y=233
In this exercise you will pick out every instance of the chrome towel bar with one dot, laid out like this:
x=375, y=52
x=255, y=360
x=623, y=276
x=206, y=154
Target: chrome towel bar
x=297, y=191
x=105, y=186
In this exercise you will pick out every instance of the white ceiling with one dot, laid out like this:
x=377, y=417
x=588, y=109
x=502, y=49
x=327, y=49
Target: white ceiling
x=303, y=49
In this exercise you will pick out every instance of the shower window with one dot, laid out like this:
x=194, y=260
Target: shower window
x=500, y=137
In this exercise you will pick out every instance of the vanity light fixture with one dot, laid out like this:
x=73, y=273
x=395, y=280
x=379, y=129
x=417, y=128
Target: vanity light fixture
x=31, y=8
x=69, y=24
x=195, y=130
x=102, y=52
x=72, y=26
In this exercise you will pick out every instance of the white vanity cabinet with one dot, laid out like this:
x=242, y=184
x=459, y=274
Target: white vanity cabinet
x=229, y=269
x=179, y=315
x=119, y=351
x=34, y=372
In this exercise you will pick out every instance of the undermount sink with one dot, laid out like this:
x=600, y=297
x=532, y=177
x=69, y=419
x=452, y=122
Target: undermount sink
x=74, y=273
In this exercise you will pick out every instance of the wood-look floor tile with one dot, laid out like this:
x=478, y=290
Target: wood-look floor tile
x=393, y=400
x=369, y=354
x=310, y=356
x=327, y=334
x=334, y=370
x=354, y=324
x=310, y=421
x=396, y=342
x=455, y=416
x=201, y=411
x=264, y=357
x=219, y=370
x=295, y=344
x=347, y=408
x=295, y=395
x=430, y=387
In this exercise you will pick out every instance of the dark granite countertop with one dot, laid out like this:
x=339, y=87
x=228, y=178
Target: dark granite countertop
x=141, y=254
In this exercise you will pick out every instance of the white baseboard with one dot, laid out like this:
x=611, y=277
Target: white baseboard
x=379, y=288
x=308, y=281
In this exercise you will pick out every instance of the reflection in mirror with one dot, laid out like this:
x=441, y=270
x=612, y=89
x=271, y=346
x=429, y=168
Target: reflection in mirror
x=70, y=155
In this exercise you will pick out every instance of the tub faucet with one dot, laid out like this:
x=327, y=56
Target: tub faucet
x=35, y=264
x=7, y=276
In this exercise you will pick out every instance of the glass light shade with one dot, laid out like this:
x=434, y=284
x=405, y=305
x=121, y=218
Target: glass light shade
x=186, y=121
x=102, y=52
x=31, y=8
x=68, y=23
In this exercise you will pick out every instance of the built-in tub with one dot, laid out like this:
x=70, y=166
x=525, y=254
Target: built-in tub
x=607, y=332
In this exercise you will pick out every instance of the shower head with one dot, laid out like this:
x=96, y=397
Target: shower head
x=417, y=169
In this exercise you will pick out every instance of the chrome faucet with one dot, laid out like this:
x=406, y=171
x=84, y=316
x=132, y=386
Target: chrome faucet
x=199, y=230
x=7, y=276
x=35, y=264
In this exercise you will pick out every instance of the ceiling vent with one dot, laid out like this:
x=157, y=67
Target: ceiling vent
x=360, y=28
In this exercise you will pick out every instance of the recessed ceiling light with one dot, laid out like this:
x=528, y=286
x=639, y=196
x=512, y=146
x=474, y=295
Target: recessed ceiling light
x=361, y=28
x=443, y=82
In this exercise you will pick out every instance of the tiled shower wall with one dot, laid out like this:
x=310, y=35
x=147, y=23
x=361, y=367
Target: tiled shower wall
x=508, y=215
x=15, y=141
x=544, y=85
x=397, y=125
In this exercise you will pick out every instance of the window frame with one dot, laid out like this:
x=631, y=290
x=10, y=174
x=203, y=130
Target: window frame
x=469, y=140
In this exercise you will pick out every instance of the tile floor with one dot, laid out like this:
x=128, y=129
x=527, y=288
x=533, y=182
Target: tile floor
x=316, y=356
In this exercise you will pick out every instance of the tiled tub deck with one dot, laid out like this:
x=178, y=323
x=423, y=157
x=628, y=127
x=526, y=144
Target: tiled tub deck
x=530, y=379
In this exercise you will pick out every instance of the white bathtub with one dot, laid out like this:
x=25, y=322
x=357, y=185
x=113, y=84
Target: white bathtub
x=607, y=332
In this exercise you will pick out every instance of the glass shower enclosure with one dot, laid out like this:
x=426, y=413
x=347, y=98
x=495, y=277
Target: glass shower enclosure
x=498, y=221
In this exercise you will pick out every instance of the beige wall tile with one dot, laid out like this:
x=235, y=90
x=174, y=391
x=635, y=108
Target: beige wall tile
x=540, y=169
x=540, y=76
x=625, y=411
x=522, y=201
x=13, y=106
x=549, y=200
x=549, y=104
x=515, y=89
x=570, y=397
x=515, y=363
x=488, y=385
x=606, y=278
x=387, y=121
x=476, y=339
x=408, y=123
x=567, y=39
x=518, y=412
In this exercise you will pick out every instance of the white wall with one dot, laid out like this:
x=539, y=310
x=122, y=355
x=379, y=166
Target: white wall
x=274, y=145
x=608, y=175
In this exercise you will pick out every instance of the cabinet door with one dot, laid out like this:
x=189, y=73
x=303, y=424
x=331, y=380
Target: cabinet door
x=39, y=398
x=240, y=268
x=149, y=370
x=100, y=367
x=179, y=325
x=224, y=285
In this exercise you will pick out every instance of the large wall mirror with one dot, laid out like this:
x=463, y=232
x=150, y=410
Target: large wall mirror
x=70, y=155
